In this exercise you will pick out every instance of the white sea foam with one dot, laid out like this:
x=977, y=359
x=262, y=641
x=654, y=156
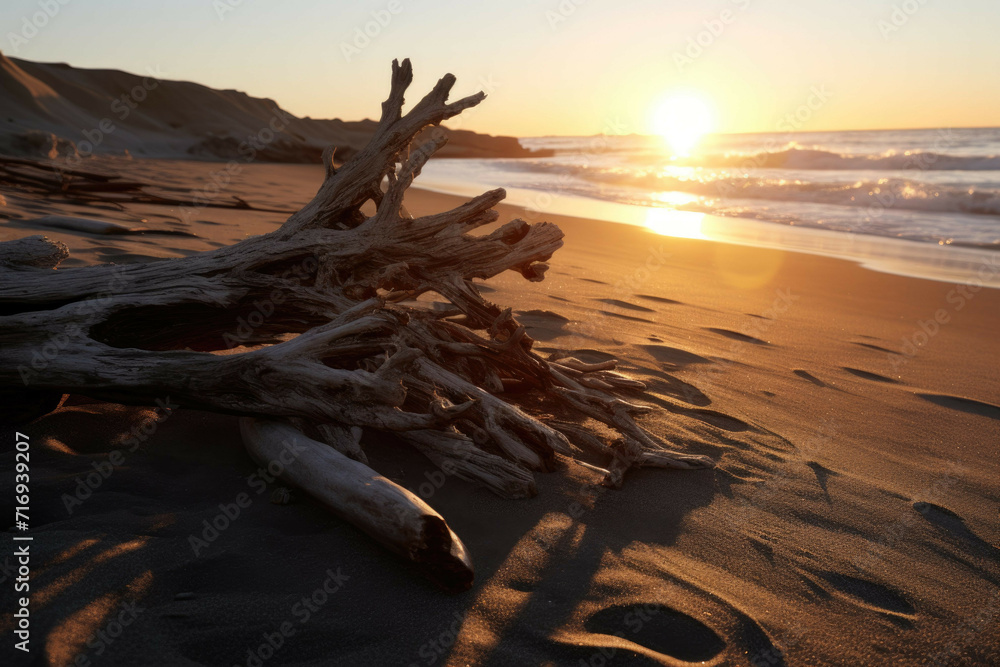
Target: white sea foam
x=939, y=186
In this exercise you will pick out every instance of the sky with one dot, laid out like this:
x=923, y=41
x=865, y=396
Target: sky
x=556, y=67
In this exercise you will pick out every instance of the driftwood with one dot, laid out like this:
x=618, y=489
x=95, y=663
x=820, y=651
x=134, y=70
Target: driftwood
x=389, y=513
x=336, y=343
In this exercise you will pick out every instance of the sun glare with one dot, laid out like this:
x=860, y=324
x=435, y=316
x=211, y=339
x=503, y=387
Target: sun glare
x=682, y=119
x=680, y=224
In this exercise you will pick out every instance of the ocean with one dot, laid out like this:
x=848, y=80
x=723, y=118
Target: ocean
x=850, y=190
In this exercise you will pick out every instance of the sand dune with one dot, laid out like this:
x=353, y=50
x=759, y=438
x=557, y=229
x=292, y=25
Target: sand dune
x=51, y=109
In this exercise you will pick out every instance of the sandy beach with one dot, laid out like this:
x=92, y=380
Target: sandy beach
x=851, y=519
x=561, y=334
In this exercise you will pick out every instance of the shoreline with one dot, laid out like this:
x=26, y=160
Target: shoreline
x=904, y=257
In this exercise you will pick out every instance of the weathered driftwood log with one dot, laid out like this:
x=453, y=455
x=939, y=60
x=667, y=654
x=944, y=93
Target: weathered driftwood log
x=326, y=304
x=386, y=511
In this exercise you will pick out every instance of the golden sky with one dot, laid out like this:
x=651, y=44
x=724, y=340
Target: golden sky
x=563, y=67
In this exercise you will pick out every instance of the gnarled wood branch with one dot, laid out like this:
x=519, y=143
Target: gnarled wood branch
x=332, y=346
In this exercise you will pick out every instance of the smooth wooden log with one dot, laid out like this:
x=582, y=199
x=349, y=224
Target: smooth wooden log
x=393, y=516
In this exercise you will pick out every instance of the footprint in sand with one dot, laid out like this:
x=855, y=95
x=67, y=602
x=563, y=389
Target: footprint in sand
x=963, y=405
x=626, y=305
x=879, y=348
x=952, y=523
x=543, y=324
x=867, y=375
x=626, y=317
x=717, y=419
x=806, y=375
x=664, y=383
x=674, y=356
x=736, y=335
x=763, y=548
x=659, y=299
x=586, y=354
x=547, y=315
x=867, y=594
x=823, y=474
x=659, y=628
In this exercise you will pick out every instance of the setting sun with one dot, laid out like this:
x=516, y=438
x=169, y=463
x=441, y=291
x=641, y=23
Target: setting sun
x=682, y=119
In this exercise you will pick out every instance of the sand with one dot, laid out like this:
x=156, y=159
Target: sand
x=50, y=109
x=852, y=518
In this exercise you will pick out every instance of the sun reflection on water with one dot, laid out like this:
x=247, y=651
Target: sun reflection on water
x=671, y=222
x=681, y=224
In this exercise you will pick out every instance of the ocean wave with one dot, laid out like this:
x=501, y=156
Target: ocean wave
x=966, y=231
x=810, y=158
x=875, y=195
x=907, y=222
x=941, y=212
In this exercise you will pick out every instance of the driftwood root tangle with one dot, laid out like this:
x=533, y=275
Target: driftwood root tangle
x=333, y=342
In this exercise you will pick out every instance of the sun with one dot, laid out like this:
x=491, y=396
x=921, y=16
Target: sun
x=682, y=119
